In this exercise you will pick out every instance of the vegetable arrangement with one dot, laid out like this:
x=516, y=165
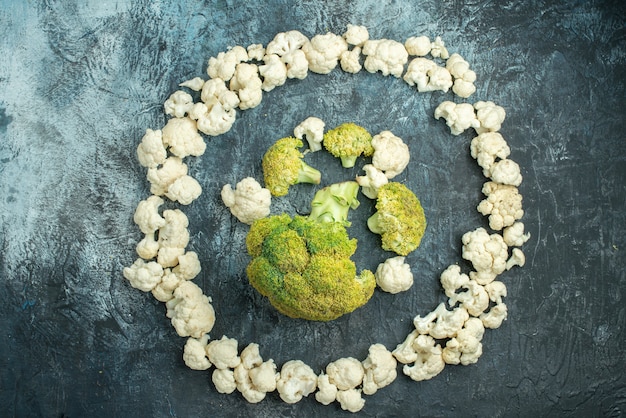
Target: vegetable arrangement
x=291, y=255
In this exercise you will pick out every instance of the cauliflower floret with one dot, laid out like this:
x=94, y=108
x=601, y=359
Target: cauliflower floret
x=356, y=35
x=429, y=362
x=164, y=291
x=273, y=71
x=287, y=45
x=143, y=275
x=503, y=205
x=350, y=61
x=380, y=369
x=312, y=129
x=498, y=313
x=371, y=181
x=418, y=46
x=194, y=84
x=190, y=311
x=248, y=85
x=438, y=49
x=391, y=155
x=194, y=354
x=184, y=190
x=147, y=215
x=350, y=400
x=245, y=386
x=452, y=280
x=345, y=373
x=215, y=92
x=487, y=253
x=250, y=356
x=161, y=178
x=255, y=52
x=466, y=347
x=490, y=116
x=323, y=52
x=517, y=259
x=326, y=391
x=151, y=152
x=385, y=55
x=394, y=275
x=426, y=75
x=178, y=104
x=463, y=77
x=223, y=353
x=224, y=381
x=441, y=323
x=249, y=201
x=458, y=117
x=188, y=266
x=296, y=380
x=173, y=237
x=506, y=172
x=486, y=148
x=223, y=66
x=148, y=247
x=181, y=135
x=474, y=298
x=297, y=64
x=514, y=235
x=213, y=120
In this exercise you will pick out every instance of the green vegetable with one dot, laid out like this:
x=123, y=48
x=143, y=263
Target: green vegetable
x=347, y=142
x=283, y=167
x=303, y=266
x=399, y=219
x=332, y=203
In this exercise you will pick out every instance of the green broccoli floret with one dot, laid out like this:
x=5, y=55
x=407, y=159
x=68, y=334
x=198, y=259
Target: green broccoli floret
x=283, y=167
x=332, y=203
x=347, y=142
x=399, y=219
x=303, y=267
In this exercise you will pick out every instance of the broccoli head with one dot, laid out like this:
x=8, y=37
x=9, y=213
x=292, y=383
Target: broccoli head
x=332, y=203
x=303, y=267
x=347, y=142
x=399, y=219
x=283, y=167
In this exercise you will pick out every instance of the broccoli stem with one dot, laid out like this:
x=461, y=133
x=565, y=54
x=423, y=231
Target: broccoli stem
x=332, y=203
x=308, y=174
x=348, y=161
x=373, y=224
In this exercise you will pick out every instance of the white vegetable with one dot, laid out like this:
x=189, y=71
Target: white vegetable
x=458, y=117
x=223, y=66
x=312, y=129
x=216, y=93
x=391, y=154
x=380, y=369
x=326, y=391
x=466, y=347
x=213, y=120
x=151, y=152
x=394, y=275
x=486, y=148
x=287, y=45
x=498, y=313
x=506, y=172
x=245, y=386
x=194, y=353
x=490, y=116
x=194, y=84
x=429, y=362
x=474, y=299
x=143, y=275
x=147, y=216
x=273, y=71
x=173, y=237
x=464, y=78
x=248, y=85
x=181, y=135
x=264, y=376
x=184, y=190
x=323, y=52
x=188, y=266
x=351, y=60
x=452, y=280
x=517, y=259
x=255, y=52
x=438, y=49
x=345, y=373
x=296, y=380
x=371, y=181
x=350, y=400
x=178, y=104
x=224, y=380
x=164, y=291
x=223, y=353
x=148, y=247
x=190, y=311
x=503, y=205
x=441, y=323
x=249, y=201
x=418, y=46
x=161, y=178
x=514, y=235
x=356, y=35
x=426, y=75
x=488, y=254
x=385, y=55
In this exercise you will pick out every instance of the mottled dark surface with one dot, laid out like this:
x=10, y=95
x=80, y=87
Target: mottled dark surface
x=81, y=81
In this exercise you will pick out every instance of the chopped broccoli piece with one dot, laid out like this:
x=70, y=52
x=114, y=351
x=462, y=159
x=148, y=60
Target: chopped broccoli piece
x=347, y=142
x=332, y=203
x=399, y=219
x=283, y=167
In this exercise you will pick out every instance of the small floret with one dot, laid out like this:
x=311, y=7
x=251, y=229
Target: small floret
x=283, y=167
x=399, y=219
x=332, y=203
x=347, y=142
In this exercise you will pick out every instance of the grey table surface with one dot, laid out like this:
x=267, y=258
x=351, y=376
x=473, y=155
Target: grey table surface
x=81, y=81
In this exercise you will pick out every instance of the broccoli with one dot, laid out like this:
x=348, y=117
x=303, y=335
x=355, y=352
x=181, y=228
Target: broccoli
x=399, y=219
x=303, y=266
x=283, y=166
x=348, y=141
x=332, y=203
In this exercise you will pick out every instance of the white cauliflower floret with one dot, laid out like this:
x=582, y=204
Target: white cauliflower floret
x=514, y=235
x=250, y=356
x=224, y=381
x=464, y=78
x=190, y=311
x=356, y=35
x=426, y=75
x=312, y=129
x=498, y=313
x=296, y=380
x=385, y=55
x=255, y=52
x=264, y=376
x=490, y=116
x=223, y=353
x=441, y=323
x=326, y=391
x=161, y=178
x=429, y=362
x=351, y=60
x=350, y=400
x=194, y=84
x=287, y=45
x=466, y=347
x=391, y=155
x=164, y=291
x=404, y=351
x=418, y=46
x=438, y=49
x=194, y=354
x=181, y=135
x=148, y=247
x=178, y=104
x=394, y=275
x=474, y=298
x=323, y=52
x=143, y=275
x=147, y=216
x=452, y=280
x=506, y=172
x=188, y=266
x=487, y=253
x=247, y=83
x=297, y=64
x=373, y=180
x=184, y=190
x=273, y=71
x=503, y=205
x=345, y=373
x=380, y=369
x=246, y=387
x=213, y=120
x=486, y=148
x=223, y=66
x=249, y=201
x=151, y=152
x=517, y=259
x=173, y=237
x=458, y=117
x=215, y=92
